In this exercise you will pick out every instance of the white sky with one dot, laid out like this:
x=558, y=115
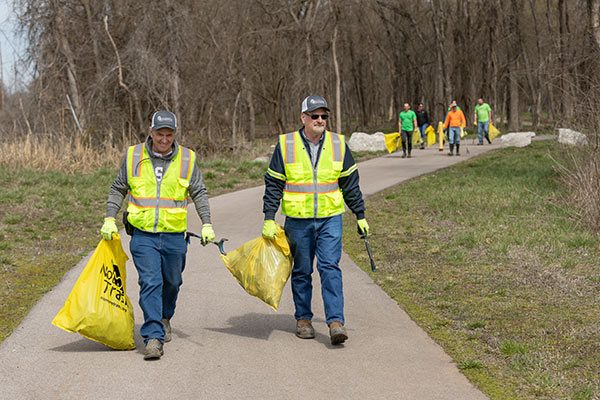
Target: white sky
x=10, y=44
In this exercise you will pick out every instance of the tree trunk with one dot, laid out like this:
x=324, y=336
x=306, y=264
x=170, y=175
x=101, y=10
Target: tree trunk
x=173, y=62
x=594, y=11
x=566, y=103
x=94, y=39
x=338, y=81
x=71, y=65
x=251, y=115
x=513, y=111
x=443, y=86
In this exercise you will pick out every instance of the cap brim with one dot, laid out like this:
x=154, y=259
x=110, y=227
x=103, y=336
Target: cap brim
x=316, y=108
x=157, y=127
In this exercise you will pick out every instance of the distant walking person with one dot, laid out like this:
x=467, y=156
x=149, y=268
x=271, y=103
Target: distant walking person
x=482, y=118
x=423, y=122
x=454, y=121
x=158, y=177
x=407, y=122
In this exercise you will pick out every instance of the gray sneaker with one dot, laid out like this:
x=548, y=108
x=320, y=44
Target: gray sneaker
x=337, y=333
x=304, y=329
x=154, y=349
x=167, y=326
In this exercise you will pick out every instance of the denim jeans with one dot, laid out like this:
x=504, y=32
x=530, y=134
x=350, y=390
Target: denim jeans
x=422, y=129
x=482, y=127
x=159, y=259
x=321, y=237
x=454, y=135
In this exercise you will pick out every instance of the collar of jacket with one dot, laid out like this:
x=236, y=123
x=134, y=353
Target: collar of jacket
x=169, y=157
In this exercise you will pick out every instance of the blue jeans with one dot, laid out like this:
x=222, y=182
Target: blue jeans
x=454, y=135
x=422, y=129
x=483, y=127
x=321, y=237
x=159, y=259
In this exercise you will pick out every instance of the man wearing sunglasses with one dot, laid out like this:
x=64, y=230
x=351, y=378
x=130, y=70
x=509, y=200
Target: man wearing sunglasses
x=312, y=174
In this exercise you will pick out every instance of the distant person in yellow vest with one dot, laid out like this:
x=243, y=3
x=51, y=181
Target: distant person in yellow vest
x=311, y=174
x=158, y=177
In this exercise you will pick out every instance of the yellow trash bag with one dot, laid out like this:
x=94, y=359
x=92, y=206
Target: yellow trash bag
x=493, y=132
x=463, y=132
x=416, y=137
x=441, y=135
x=98, y=307
x=262, y=266
x=391, y=141
x=430, y=135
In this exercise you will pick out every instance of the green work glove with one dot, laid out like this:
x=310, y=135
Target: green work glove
x=269, y=229
x=363, y=226
x=108, y=228
x=208, y=235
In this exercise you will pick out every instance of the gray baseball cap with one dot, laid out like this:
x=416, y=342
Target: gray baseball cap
x=311, y=103
x=163, y=119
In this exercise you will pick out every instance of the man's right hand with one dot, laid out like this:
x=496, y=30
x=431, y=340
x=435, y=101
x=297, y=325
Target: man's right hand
x=108, y=228
x=269, y=229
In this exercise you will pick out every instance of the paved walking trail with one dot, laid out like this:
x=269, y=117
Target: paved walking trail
x=229, y=345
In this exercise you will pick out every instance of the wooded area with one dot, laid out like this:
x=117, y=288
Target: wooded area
x=238, y=69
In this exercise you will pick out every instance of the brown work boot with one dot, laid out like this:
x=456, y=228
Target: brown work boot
x=304, y=329
x=337, y=332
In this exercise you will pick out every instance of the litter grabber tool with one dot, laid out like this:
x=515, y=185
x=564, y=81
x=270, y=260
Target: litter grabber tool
x=220, y=244
x=364, y=236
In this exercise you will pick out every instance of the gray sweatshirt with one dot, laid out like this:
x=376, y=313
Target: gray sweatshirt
x=120, y=186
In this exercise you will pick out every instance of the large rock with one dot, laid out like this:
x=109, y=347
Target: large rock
x=360, y=141
x=516, y=139
x=569, y=136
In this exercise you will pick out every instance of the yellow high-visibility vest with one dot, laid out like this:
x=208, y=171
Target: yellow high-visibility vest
x=308, y=192
x=162, y=207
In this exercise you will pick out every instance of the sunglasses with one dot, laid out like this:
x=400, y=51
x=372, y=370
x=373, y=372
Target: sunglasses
x=316, y=116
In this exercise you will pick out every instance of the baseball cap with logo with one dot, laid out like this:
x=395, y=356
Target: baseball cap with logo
x=163, y=119
x=311, y=103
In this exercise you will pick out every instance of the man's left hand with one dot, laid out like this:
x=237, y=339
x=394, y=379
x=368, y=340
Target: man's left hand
x=363, y=226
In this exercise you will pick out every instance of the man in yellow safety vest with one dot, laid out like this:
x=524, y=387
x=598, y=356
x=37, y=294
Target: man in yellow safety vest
x=312, y=174
x=158, y=177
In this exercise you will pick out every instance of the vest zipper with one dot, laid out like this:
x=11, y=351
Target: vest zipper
x=315, y=181
x=157, y=209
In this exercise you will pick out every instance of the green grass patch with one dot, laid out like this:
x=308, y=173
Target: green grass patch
x=486, y=257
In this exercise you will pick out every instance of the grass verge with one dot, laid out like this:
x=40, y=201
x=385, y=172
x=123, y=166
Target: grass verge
x=485, y=257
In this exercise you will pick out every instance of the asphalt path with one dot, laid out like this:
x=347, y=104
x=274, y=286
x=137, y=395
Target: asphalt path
x=229, y=345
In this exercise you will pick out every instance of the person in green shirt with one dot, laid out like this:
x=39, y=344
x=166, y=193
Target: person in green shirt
x=407, y=121
x=482, y=118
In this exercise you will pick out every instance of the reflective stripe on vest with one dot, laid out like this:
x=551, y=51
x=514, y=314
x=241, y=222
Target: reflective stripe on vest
x=312, y=192
x=184, y=167
x=158, y=206
x=136, y=159
x=150, y=202
x=310, y=187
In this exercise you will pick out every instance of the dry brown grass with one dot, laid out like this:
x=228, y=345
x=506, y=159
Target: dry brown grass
x=581, y=174
x=58, y=153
